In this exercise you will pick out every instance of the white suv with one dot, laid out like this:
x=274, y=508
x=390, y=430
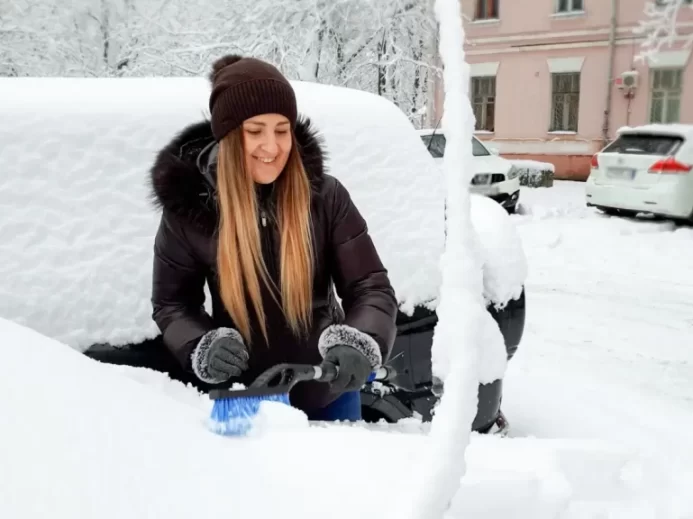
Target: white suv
x=494, y=176
x=645, y=169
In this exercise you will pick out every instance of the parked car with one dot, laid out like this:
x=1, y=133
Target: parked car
x=88, y=284
x=646, y=169
x=494, y=176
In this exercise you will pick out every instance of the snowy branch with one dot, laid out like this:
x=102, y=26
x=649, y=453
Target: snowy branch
x=660, y=26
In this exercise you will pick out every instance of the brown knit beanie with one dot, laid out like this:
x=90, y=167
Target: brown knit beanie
x=245, y=87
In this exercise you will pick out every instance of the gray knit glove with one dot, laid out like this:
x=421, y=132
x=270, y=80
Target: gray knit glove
x=354, y=367
x=220, y=356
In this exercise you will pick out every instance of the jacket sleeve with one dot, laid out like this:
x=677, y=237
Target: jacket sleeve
x=178, y=290
x=361, y=282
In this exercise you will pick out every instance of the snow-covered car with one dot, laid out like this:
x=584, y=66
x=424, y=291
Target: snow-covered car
x=494, y=177
x=646, y=169
x=76, y=237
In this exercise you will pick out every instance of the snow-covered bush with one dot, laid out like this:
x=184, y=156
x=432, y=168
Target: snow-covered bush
x=534, y=173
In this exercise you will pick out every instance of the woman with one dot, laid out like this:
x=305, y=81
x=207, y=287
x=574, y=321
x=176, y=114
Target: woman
x=247, y=208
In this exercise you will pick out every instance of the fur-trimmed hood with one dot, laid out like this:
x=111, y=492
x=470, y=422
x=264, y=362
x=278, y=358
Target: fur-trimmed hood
x=177, y=178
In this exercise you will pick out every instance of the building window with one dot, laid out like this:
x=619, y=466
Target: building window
x=484, y=102
x=486, y=10
x=665, y=95
x=565, y=101
x=569, y=6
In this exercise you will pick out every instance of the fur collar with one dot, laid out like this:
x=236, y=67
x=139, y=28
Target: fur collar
x=178, y=184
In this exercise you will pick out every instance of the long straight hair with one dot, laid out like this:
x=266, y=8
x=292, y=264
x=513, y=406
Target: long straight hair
x=240, y=263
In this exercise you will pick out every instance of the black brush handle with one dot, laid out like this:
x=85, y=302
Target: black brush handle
x=327, y=372
x=277, y=380
x=284, y=376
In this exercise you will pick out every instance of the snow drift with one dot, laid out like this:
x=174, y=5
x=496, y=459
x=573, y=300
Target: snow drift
x=504, y=260
x=87, y=441
x=82, y=440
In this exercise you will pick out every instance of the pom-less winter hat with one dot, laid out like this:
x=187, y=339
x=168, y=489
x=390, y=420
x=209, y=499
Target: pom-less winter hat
x=245, y=87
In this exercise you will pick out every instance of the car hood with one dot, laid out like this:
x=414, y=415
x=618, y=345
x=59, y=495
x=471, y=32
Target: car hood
x=485, y=164
x=491, y=164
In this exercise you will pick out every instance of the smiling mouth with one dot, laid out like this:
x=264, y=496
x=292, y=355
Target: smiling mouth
x=265, y=161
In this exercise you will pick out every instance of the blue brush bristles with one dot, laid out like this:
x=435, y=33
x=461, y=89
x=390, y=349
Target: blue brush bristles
x=234, y=416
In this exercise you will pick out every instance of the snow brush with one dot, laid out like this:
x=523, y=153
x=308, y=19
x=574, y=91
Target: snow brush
x=234, y=410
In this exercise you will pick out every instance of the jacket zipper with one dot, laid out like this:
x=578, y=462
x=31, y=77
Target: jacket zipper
x=268, y=240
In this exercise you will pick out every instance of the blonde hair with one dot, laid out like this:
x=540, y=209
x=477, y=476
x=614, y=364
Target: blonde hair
x=239, y=256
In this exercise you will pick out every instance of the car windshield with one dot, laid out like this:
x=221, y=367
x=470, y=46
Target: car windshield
x=645, y=144
x=437, y=146
x=478, y=149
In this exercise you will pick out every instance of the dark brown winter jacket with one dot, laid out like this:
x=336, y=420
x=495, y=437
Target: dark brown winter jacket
x=185, y=259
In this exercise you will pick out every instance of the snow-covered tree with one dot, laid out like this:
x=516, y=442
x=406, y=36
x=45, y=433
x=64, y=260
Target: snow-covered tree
x=660, y=25
x=383, y=47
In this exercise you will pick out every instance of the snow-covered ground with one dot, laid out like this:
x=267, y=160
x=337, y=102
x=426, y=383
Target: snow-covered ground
x=610, y=297
x=600, y=397
x=607, y=351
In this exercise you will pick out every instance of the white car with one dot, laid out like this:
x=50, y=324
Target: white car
x=494, y=176
x=646, y=169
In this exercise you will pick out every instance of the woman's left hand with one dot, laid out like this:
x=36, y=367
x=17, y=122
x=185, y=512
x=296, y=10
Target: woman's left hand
x=354, y=367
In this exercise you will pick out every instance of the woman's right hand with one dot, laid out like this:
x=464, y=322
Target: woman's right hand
x=227, y=358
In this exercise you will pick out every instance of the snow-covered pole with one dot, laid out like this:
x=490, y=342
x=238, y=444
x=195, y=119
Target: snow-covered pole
x=461, y=309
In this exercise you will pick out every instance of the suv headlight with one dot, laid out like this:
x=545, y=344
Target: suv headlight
x=481, y=179
x=513, y=172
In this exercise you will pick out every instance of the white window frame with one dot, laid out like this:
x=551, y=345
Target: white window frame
x=486, y=18
x=565, y=65
x=664, y=3
x=675, y=59
x=485, y=70
x=667, y=95
x=571, y=7
x=553, y=128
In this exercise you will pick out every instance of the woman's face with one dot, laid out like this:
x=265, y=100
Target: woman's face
x=266, y=146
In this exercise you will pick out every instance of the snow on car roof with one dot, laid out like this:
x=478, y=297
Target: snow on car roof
x=77, y=230
x=683, y=130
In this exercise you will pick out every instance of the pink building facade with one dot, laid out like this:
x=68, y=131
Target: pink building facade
x=550, y=84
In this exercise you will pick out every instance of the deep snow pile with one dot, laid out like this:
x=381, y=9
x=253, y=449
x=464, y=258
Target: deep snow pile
x=505, y=261
x=77, y=228
x=82, y=440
